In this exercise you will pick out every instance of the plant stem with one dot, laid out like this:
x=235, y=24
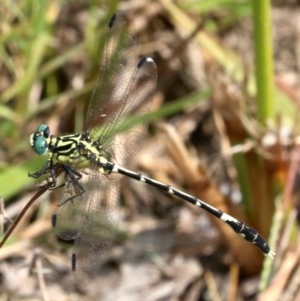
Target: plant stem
x=264, y=60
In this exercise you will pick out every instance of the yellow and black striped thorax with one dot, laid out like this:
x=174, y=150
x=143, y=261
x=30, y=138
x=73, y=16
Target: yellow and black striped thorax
x=77, y=150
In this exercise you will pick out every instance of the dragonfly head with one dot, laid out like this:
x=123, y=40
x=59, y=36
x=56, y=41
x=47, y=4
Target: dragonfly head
x=39, y=139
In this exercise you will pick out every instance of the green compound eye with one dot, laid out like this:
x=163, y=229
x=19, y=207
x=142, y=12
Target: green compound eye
x=40, y=145
x=43, y=128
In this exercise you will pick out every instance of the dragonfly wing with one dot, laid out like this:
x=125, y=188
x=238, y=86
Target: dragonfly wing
x=98, y=227
x=69, y=213
x=112, y=61
x=126, y=85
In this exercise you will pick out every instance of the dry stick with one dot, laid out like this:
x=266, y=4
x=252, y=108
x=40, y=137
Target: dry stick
x=2, y=216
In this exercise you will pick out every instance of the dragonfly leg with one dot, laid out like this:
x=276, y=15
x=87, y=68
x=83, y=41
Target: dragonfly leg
x=73, y=177
x=48, y=168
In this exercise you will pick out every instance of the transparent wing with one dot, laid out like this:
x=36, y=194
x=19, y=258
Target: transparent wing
x=116, y=41
x=133, y=92
x=120, y=138
x=126, y=84
x=91, y=219
x=98, y=227
x=69, y=215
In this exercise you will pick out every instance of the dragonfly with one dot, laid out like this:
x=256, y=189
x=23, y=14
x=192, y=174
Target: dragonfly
x=87, y=212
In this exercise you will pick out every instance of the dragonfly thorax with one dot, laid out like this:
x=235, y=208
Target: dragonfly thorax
x=78, y=150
